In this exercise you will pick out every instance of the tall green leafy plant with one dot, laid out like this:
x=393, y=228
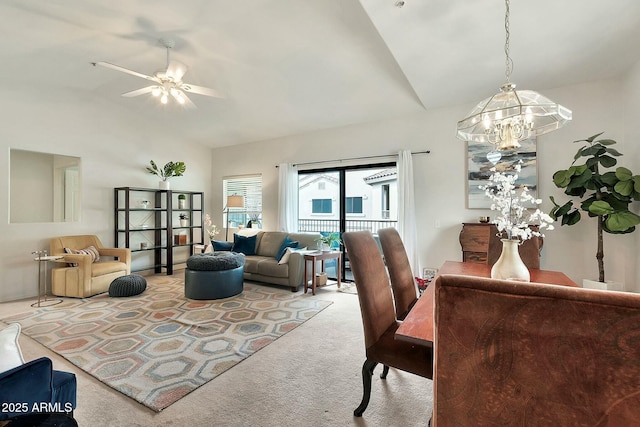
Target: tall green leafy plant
x=604, y=195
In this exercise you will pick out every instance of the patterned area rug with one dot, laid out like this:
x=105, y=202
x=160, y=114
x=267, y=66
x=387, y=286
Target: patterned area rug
x=158, y=346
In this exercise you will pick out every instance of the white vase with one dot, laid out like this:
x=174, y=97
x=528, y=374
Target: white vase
x=184, y=222
x=164, y=185
x=510, y=266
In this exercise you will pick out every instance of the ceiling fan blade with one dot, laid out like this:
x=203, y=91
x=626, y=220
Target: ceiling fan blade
x=125, y=70
x=139, y=92
x=182, y=99
x=176, y=70
x=201, y=90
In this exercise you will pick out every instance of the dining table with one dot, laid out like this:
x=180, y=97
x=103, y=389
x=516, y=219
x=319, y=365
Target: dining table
x=417, y=327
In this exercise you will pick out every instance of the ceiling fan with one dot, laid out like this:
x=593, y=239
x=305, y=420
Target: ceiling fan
x=167, y=82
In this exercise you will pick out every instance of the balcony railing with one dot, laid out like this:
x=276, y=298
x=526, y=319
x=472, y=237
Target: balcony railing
x=333, y=225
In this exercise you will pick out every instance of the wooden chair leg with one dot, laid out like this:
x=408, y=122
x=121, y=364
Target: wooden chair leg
x=367, y=373
x=385, y=371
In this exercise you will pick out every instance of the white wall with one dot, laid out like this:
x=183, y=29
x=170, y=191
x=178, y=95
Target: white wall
x=114, y=147
x=440, y=176
x=632, y=150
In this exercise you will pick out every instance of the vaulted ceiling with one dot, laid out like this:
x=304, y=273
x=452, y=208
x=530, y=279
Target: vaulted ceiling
x=295, y=66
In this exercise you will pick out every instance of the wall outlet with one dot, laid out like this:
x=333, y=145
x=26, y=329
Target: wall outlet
x=429, y=273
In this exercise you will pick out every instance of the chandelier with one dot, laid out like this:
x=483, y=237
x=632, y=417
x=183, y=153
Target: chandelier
x=511, y=116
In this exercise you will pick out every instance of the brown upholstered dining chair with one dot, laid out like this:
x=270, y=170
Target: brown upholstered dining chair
x=405, y=291
x=528, y=354
x=379, y=317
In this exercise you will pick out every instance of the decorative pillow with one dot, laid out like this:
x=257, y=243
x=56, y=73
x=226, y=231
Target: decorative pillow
x=288, y=252
x=90, y=250
x=221, y=245
x=287, y=243
x=70, y=251
x=208, y=250
x=10, y=354
x=244, y=244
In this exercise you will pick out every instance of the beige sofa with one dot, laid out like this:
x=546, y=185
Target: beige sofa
x=87, y=278
x=264, y=267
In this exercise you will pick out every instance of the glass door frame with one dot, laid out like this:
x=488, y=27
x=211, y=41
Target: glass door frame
x=342, y=174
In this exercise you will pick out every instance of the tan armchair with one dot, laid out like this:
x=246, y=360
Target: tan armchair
x=87, y=278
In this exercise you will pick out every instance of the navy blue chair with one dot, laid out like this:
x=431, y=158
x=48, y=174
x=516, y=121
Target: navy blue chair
x=36, y=383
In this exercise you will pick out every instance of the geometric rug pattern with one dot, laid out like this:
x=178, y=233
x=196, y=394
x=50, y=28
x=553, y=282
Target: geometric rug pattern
x=159, y=346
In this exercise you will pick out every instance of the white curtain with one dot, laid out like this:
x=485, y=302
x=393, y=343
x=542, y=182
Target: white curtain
x=287, y=198
x=407, y=210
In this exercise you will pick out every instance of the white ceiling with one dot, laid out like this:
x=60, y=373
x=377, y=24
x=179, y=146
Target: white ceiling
x=296, y=66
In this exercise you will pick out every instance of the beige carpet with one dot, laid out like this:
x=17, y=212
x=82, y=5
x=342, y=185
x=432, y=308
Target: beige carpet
x=158, y=346
x=348, y=288
x=309, y=377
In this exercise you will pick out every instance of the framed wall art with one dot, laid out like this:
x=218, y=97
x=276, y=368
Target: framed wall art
x=478, y=169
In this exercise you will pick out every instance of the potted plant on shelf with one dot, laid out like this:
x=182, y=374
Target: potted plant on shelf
x=329, y=241
x=169, y=170
x=603, y=195
x=184, y=220
x=182, y=201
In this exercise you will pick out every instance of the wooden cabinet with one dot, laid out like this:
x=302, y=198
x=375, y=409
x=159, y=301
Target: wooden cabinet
x=481, y=244
x=147, y=221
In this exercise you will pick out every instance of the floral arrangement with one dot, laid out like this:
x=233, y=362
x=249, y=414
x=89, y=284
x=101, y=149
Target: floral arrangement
x=210, y=227
x=511, y=203
x=422, y=284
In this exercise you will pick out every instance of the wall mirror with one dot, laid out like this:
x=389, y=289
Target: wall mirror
x=43, y=187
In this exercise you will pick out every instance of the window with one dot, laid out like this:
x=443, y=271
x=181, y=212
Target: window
x=321, y=206
x=353, y=205
x=250, y=187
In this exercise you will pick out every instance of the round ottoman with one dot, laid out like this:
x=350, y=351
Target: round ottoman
x=127, y=286
x=214, y=275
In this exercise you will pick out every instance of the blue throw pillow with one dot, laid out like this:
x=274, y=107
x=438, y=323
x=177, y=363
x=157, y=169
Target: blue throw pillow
x=287, y=243
x=221, y=245
x=244, y=244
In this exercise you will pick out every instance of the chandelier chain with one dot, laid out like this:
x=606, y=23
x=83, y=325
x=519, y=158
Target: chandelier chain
x=508, y=60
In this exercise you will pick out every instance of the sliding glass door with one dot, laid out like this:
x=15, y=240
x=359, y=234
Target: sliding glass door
x=347, y=199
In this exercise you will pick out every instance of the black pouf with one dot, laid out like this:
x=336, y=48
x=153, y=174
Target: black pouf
x=127, y=286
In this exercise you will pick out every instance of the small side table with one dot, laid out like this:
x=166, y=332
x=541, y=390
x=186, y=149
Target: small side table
x=314, y=257
x=42, y=285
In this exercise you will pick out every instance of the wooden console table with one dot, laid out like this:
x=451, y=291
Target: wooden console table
x=417, y=327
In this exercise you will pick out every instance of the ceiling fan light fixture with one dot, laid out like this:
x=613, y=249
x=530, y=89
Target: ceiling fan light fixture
x=167, y=82
x=178, y=95
x=511, y=116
